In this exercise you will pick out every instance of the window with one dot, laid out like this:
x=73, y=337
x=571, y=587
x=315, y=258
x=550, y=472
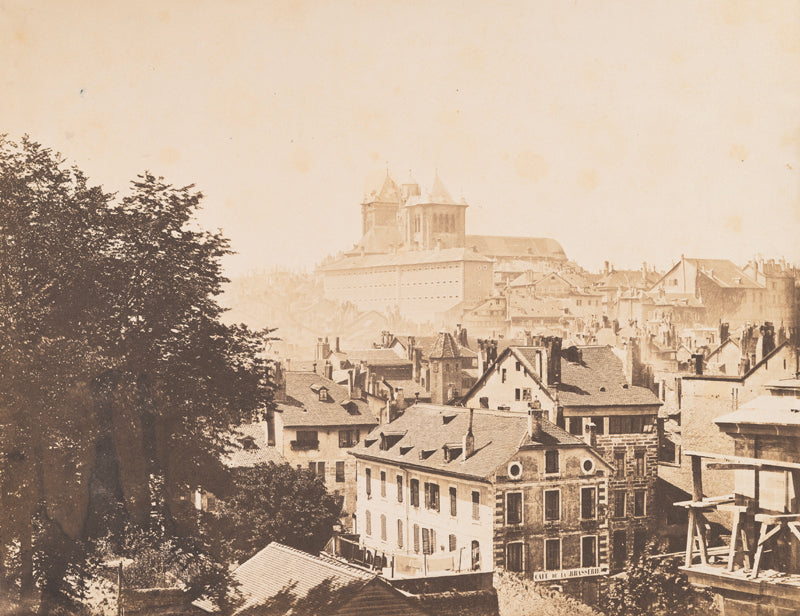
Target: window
x=399, y=533
x=414, y=489
x=516, y=394
x=475, y=549
x=551, y=462
x=453, y=502
x=399, y=488
x=619, y=550
x=503, y=375
x=368, y=522
x=305, y=440
x=514, y=508
x=619, y=504
x=519, y=366
x=416, y=538
x=476, y=505
x=451, y=543
x=428, y=541
x=619, y=463
x=639, y=463
x=514, y=556
x=576, y=426
x=552, y=554
x=526, y=394
x=588, y=510
x=639, y=503
x=339, y=472
x=552, y=505
x=383, y=527
x=383, y=484
x=432, y=496
x=368, y=482
x=589, y=551
x=348, y=438
x=318, y=468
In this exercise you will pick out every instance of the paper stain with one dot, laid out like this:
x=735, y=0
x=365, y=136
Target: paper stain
x=734, y=223
x=169, y=156
x=739, y=152
x=531, y=166
x=588, y=179
x=301, y=159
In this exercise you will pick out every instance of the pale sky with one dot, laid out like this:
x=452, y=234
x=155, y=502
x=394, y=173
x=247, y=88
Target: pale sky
x=627, y=130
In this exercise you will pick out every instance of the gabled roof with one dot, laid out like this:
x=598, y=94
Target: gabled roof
x=377, y=357
x=628, y=279
x=599, y=380
x=429, y=427
x=282, y=580
x=304, y=408
x=509, y=247
x=722, y=272
x=718, y=350
x=741, y=377
x=260, y=453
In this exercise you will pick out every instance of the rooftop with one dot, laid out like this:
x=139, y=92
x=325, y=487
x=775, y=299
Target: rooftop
x=509, y=246
x=418, y=257
x=304, y=408
x=251, y=448
x=427, y=428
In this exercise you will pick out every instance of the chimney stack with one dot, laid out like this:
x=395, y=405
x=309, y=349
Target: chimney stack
x=590, y=434
x=338, y=350
x=535, y=420
x=697, y=359
x=328, y=370
x=468, y=442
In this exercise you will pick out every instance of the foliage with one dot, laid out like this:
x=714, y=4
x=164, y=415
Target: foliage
x=520, y=597
x=272, y=502
x=652, y=586
x=116, y=373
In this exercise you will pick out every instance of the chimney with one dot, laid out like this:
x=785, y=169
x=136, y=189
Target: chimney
x=590, y=434
x=350, y=383
x=338, y=350
x=328, y=370
x=400, y=397
x=481, y=357
x=535, y=420
x=697, y=359
x=606, y=267
x=416, y=363
x=468, y=442
x=279, y=381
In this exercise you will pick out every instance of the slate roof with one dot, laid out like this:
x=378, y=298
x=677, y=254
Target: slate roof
x=388, y=193
x=765, y=410
x=509, y=246
x=437, y=195
x=581, y=383
x=725, y=273
x=428, y=427
x=409, y=387
x=304, y=408
x=284, y=580
x=262, y=453
x=445, y=347
x=627, y=279
x=377, y=357
x=417, y=257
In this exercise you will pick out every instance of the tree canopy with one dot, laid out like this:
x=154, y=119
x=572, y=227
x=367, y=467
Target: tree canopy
x=117, y=376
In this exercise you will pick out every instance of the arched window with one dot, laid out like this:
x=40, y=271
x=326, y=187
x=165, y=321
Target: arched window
x=476, y=556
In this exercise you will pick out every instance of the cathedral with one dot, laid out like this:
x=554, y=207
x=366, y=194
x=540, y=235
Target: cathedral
x=415, y=256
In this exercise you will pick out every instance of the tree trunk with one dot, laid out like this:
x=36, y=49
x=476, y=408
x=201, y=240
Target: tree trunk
x=27, y=589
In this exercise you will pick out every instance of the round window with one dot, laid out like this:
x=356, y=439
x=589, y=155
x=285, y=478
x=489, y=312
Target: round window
x=588, y=465
x=515, y=470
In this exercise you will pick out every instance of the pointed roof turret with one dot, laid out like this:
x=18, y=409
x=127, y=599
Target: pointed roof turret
x=445, y=347
x=388, y=193
x=439, y=194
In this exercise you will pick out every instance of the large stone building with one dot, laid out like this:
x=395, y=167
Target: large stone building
x=414, y=255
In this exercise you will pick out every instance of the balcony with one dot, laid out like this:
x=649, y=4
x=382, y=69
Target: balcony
x=304, y=445
x=762, y=557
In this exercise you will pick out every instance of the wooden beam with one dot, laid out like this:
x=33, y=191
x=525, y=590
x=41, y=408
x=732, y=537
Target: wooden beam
x=759, y=551
x=697, y=478
x=700, y=521
x=752, y=462
x=793, y=527
x=734, y=538
x=690, y=539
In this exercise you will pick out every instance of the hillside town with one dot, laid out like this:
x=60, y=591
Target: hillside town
x=483, y=403
x=400, y=308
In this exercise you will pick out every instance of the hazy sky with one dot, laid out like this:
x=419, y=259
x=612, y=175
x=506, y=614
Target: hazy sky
x=630, y=131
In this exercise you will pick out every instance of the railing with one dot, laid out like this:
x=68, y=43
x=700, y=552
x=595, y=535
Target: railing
x=304, y=445
x=753, y=529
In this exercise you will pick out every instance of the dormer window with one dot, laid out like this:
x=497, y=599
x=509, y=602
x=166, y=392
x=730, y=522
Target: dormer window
x=248, y=442
x=322, y=392
x=452, y=451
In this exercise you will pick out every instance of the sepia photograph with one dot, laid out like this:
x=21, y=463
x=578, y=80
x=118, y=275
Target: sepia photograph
x=443, y=308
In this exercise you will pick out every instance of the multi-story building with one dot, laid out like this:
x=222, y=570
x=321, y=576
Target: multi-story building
x=758, y=572
x=315, y=423
x=448, y=489
x=587, y=389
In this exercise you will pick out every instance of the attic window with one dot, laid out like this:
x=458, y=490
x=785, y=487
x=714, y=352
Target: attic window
x=602, y=389
x=424, y=454
x=452, y=451
x=390, y=439
x=446, y=419
x=351, y=407
x=321, y=391
x=404, y=449
x=248, y=442
x=369, y=442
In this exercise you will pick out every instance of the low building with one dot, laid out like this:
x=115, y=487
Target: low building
x=447, y=489
x=758, y=572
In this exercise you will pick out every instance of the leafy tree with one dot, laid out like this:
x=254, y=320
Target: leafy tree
x=116, y=374
x=272, y=502
x=653, y=587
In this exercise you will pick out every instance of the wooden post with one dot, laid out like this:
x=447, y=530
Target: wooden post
x=697, y=478
x=690, y=539
x=734, y=538
x=120, y=609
